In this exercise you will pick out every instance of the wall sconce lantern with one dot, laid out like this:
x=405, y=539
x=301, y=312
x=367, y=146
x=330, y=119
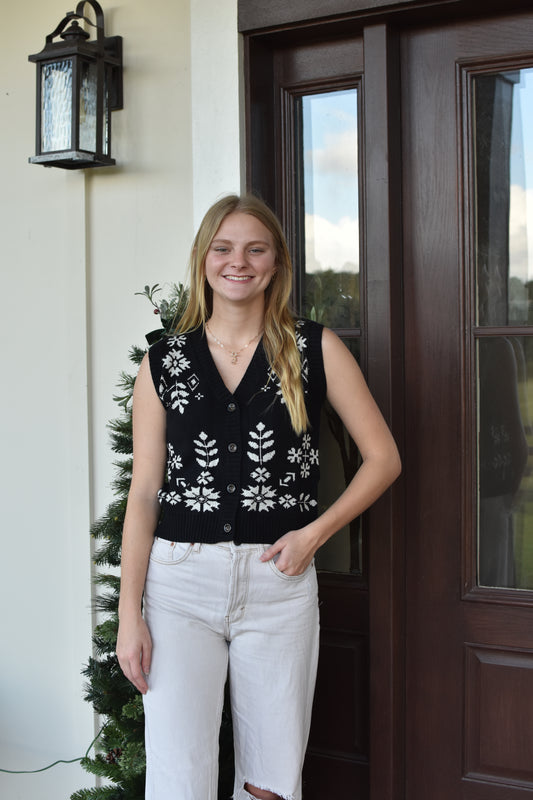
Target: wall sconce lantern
x=79, y=83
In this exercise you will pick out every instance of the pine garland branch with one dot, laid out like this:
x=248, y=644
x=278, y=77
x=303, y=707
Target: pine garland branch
x=100, y=793
x=106, y=603
x=105, y=636
x=104, y=766
x=110, y=581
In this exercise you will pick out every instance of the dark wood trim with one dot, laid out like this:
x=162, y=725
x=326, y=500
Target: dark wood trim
x=262, y=157
x=256, y=16
x=383, y=245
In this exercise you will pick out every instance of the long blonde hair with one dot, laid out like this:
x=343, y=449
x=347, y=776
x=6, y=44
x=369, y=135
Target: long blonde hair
x=279, y=337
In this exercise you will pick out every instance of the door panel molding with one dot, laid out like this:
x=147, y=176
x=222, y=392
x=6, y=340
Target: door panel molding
x=498, y=703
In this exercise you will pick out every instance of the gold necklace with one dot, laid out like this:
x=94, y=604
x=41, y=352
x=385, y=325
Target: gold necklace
x=233, y=353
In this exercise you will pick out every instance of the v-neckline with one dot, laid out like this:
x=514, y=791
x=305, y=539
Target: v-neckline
x=209, y=363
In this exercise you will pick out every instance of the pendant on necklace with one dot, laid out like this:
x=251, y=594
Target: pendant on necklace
x=234, y=354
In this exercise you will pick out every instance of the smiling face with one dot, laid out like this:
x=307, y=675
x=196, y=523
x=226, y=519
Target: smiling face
x=241, y=260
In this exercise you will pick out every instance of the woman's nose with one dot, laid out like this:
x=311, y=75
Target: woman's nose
x=239, y=259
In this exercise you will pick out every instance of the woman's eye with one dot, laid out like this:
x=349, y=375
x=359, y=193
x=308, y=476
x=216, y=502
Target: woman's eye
x=221, y=249
x=256, y=250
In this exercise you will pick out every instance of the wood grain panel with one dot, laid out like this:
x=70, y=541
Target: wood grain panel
x=322, y=782
x=342, y=728
x=499, y=718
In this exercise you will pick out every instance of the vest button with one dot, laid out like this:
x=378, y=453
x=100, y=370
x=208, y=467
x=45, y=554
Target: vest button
x=227, y=528
x=230, y=488
x=232, y=447
x=232, y=407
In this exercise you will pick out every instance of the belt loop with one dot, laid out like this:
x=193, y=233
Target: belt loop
x=196, y=546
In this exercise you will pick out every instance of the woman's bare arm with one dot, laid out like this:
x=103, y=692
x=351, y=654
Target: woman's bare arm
x=349, y=395
x=142, y=512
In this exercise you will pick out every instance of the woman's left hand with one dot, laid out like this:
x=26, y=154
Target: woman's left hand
x=295, y=551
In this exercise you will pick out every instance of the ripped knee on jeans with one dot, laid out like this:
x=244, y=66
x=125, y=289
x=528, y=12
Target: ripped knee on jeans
x=257, y=793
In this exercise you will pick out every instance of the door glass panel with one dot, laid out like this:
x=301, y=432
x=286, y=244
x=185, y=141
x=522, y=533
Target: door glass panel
x=328, y=280
x=505, y=464
x=503, y=191
x=331, y=208
x=503, y=121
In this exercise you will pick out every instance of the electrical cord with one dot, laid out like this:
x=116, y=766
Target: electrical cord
x=59, y=761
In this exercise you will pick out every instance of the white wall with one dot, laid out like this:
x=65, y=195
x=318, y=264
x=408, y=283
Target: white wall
x=74, y=248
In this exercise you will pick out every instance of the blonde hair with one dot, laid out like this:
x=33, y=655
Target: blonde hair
x=279, y=337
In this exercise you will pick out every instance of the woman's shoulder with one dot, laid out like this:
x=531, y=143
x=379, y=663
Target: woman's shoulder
x=168, y=342
x=304, y=323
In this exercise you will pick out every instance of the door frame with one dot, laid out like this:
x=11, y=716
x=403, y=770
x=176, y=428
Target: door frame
x=381, y=23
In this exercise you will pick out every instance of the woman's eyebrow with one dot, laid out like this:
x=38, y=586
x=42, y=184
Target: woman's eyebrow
x=230, y=241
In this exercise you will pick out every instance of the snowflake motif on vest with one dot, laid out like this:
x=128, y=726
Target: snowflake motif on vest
x=305, y=456
x=200, y=496
x=262, y=496
x=176, y=393
x=273, y=380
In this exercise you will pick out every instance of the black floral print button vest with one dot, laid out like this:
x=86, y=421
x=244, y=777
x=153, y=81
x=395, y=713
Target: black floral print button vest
x=236, y=470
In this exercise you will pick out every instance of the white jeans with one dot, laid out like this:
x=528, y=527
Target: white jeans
x=207, y=606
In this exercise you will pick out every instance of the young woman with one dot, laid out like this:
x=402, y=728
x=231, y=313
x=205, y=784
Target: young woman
x=226, y=419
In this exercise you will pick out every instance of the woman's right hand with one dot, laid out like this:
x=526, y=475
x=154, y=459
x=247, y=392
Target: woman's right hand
x=134, y=651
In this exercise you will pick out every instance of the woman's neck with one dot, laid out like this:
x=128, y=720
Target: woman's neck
x=236, y=326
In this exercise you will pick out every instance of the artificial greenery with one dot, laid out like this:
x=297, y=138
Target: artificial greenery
x=120, y=757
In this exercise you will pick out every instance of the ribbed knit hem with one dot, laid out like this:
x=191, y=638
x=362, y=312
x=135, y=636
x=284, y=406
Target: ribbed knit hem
x=250, y=528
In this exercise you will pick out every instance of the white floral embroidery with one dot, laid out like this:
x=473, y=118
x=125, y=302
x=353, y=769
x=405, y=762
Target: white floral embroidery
x=177, y=341
x=273, y=380
x=170, y=497
x=305, y=501
x=205, y=477
x=206, y=451
x=175, y=394
x=287, y=501
x=260, y=443
x=260, y=450
x=201, y=498
x=174, y=462
x=260, y=474
x=258, y=498
x=305, y=456
x=178, y=392
x=301, y=341
x=175, y=362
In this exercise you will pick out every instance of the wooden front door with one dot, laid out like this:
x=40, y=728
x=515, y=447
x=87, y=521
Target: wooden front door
x=426, y=680
x=467, y=140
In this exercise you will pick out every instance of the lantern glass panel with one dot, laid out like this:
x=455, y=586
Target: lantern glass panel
x=88, y=95
x=105, y=116
x=56, y=105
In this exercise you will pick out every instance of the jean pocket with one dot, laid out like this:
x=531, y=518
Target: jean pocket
x=165, y=552
x=291, y=578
